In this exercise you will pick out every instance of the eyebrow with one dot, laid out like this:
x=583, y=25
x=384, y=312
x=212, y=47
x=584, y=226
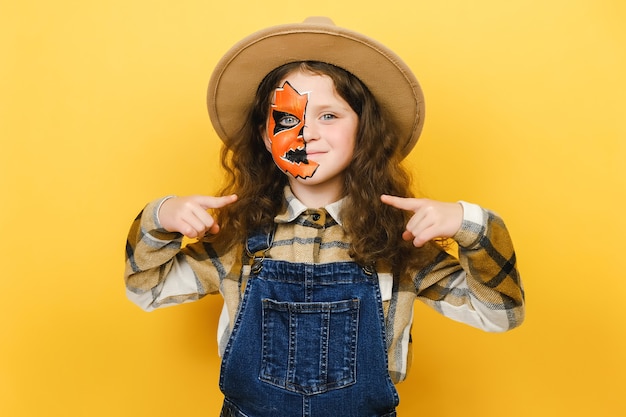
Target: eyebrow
x=325, y=107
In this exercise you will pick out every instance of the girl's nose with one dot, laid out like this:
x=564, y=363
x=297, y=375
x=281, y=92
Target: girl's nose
x=308, y=133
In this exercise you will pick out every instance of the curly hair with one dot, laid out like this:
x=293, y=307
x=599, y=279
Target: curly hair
x=375, y=169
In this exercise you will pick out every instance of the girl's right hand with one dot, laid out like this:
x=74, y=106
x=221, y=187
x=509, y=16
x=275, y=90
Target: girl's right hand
x=189, y=216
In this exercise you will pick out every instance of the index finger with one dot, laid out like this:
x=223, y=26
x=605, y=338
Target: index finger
x=401, y=203
x=209, y=202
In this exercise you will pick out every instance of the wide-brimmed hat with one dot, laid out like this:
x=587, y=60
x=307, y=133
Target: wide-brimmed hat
x=234, y=81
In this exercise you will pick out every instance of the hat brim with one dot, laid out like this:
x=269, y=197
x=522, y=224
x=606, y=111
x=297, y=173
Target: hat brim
x=234, y=81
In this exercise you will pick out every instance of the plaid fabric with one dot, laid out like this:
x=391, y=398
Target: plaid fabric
x=480, y=287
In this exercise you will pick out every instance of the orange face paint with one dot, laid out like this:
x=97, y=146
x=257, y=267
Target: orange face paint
x=284, y=128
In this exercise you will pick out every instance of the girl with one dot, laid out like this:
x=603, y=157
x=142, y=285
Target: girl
x=315, y=243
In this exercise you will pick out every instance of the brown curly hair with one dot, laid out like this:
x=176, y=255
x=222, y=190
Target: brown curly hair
x=375, y=232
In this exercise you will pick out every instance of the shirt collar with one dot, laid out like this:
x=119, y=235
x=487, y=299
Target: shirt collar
x=295, y=208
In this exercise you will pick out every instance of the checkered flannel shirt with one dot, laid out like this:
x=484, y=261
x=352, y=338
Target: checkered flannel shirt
x=480, y=287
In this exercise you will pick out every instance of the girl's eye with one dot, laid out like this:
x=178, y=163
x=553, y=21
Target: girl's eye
x=288, y=120
x=284, y=121
x=328, y=117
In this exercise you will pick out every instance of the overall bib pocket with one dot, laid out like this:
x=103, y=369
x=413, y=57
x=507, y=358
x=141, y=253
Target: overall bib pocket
x=309, y=347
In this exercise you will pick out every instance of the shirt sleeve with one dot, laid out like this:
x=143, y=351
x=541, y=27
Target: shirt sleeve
x=161, y=271
x=481, y=286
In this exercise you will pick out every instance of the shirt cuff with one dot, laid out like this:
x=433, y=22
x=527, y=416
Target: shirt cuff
x=158, y=204
x=473, y=228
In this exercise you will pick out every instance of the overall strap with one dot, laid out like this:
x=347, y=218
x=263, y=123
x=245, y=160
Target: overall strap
x=257, y=245
x=259, y=242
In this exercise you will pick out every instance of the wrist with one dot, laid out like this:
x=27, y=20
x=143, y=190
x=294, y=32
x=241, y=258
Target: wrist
x=157, y=210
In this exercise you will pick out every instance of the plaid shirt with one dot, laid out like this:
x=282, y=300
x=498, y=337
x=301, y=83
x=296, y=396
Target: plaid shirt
x=481, y=287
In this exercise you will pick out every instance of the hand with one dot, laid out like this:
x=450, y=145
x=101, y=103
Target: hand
x=189, y=216
x=432, y=219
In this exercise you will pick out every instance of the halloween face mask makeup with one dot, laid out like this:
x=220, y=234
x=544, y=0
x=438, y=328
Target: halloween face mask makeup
x=285, y=128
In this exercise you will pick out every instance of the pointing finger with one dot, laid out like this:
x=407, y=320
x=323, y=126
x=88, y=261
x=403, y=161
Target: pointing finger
x=400, y=202
x=209, y=202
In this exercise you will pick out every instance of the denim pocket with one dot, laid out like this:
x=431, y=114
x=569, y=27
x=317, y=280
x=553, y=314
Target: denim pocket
x=309, y=348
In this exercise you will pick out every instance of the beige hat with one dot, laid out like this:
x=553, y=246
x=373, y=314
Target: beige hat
x=236, y=77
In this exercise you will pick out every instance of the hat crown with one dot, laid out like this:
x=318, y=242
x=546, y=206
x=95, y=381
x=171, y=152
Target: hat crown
x=319, y=20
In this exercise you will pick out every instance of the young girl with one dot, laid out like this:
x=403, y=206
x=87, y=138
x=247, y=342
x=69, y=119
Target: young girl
x=315, y=242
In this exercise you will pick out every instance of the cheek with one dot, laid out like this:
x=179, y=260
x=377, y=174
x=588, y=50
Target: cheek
x=285, y=142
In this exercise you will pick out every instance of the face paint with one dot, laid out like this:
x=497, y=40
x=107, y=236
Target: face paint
x=285, y=126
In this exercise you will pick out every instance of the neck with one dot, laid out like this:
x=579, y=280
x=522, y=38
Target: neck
x=317, y=195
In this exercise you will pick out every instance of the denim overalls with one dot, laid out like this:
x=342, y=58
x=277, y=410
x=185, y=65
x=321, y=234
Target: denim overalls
x=308, y=341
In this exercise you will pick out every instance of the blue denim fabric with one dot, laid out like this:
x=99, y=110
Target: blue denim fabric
x=308, y=341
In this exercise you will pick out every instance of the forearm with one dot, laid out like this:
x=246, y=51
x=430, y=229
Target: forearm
x=490, y=262
x=148, y=249
x=157, y=272
x=482, y=288
x=160, y=271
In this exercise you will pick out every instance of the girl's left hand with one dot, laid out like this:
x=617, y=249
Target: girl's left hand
x=431, y=219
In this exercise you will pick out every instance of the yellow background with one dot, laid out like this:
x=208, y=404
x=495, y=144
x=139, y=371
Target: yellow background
x=102, y=109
